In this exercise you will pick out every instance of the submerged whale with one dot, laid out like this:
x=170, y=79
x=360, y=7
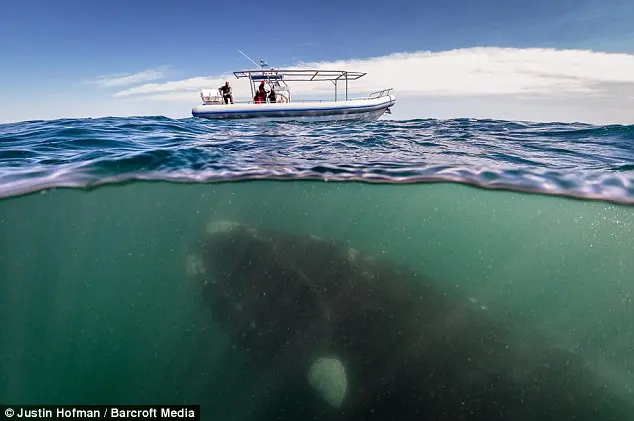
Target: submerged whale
x=345, y=336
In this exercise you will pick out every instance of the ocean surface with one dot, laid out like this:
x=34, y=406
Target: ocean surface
x=534, y=221
x=556, y=159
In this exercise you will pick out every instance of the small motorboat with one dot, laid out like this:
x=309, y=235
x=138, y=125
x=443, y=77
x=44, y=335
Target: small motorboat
x=368, y=108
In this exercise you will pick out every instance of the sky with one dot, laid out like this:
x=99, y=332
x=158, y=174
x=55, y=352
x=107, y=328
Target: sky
x=543, y=60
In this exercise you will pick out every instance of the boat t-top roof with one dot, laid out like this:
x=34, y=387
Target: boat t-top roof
x=299, y=75
x=279, y=77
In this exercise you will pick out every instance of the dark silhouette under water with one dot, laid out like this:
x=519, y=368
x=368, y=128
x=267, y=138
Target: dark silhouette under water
x=411, y=350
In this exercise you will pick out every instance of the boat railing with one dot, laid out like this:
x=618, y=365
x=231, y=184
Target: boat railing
x=218, y=100
x=373, y=95
x=381, y=93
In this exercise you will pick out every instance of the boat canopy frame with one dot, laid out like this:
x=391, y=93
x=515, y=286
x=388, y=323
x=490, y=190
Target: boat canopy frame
x=281, y=76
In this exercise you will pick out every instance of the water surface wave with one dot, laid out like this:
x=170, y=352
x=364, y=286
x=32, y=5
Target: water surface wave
x=576, y=160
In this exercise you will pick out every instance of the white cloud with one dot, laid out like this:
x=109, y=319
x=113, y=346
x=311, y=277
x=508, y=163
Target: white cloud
x=123, y=79
x=185, y=85
x=484, y=82
x=465, y=72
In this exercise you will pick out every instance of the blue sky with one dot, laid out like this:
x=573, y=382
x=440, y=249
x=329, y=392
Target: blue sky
x=51, y=49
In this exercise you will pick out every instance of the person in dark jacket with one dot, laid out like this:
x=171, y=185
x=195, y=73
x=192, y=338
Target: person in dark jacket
x=225, y=91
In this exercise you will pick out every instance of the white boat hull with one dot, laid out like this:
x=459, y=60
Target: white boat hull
x=358, y=109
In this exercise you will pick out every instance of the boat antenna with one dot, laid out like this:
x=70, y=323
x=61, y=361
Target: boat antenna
x=262, y=63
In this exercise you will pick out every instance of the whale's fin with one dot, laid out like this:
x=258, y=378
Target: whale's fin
x=328, y=377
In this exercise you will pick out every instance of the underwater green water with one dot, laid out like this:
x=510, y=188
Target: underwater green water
x=95, y=306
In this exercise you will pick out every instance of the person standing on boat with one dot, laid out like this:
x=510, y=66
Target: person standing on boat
x=225, y=91
x=272, y=97
x=262, y=91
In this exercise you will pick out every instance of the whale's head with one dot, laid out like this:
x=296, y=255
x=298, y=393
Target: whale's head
x=269, y=291
x=255, y=289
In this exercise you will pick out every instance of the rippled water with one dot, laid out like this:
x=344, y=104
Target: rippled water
x=564, y=159
x=96, y=304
